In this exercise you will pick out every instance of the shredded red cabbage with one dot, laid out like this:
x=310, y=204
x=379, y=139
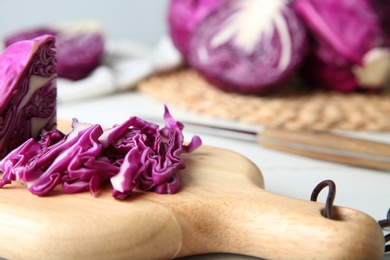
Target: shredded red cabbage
x=134, y=154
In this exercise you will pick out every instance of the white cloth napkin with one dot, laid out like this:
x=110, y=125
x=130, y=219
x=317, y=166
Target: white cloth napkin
x=124, y=64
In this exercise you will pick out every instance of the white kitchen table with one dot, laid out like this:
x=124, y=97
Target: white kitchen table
x=285, y=174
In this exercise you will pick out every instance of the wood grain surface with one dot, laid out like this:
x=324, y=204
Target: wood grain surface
x=221, y=207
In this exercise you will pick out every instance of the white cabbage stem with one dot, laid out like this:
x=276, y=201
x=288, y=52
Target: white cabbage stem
x=375, y=71
x=258, y=18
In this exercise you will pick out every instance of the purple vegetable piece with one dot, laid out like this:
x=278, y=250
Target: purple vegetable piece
x=27, y=91
x=350, y=45
x=184, y=16
x=249, y=46
x=28, y=35
x=54, y=158
x=153, y=158
x=382, y=8
x=94, y=173
x=134, y=154
x=79, y=53
x=79, y=49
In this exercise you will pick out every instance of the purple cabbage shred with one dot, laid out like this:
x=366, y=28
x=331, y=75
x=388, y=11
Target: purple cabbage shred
x=134, y=154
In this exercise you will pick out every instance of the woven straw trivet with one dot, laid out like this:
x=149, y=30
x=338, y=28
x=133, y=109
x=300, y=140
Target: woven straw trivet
x=298, y=109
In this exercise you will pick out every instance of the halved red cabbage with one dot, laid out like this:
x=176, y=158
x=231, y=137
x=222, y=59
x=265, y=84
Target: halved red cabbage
x=27, y=91
x=134, y=154
x=350, y=46
x=248, y=46
x=183, y=17
x=79, y=48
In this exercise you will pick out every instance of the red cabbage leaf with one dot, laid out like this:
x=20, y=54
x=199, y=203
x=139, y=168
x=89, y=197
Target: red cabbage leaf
x=27, y=91
x=183, y=17
x=351, y=46
x=134, y=154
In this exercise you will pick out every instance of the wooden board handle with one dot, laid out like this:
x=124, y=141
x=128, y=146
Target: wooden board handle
x=259, y=224
x=329, y=147
x=276, y=227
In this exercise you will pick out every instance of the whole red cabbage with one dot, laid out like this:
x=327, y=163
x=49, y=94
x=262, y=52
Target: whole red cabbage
x=248, y=46
x=27, y=91
x=79, y=49
x=183, y=17
x=350, y=48
x=134, y=154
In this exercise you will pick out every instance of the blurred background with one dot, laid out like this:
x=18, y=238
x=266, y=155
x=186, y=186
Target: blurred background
x=142, y=21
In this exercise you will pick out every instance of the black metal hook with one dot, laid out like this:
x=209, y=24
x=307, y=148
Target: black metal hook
x=330, y=198
x=328, y=213
x=386, y=223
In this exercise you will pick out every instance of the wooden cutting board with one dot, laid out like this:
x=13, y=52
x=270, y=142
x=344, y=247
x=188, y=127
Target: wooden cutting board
x=221, y=207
